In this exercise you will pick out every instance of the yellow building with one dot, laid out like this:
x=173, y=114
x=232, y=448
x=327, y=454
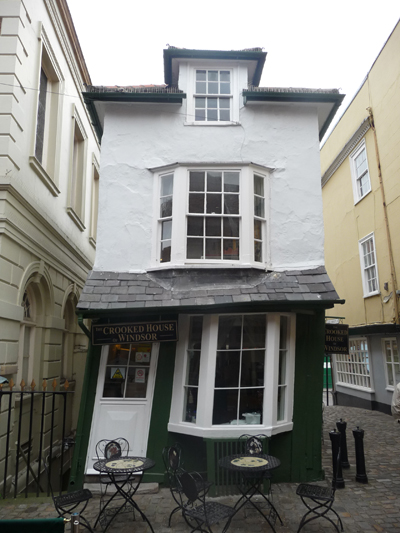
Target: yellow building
x=360, y=165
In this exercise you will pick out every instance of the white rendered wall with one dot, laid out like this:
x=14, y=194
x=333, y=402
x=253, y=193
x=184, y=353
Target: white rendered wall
x=142, y=136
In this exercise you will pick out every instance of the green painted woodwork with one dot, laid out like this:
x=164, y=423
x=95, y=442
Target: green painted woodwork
x=305, y=457
x=158, y=432
x=85, y=418
x=39, y=525
x=300, y=449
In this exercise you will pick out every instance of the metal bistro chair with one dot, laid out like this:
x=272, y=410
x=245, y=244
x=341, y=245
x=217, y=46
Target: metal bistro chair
x=254, y=445
x=172, y=458
x=322, y=498
x=66, y=504
x=198, y=513
x=112, y=449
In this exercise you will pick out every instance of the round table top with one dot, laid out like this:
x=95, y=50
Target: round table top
x=247, y=462
x=124, y=465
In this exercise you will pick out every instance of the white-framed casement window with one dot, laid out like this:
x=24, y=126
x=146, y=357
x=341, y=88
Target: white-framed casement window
x=391, y=360
x=213, y=95
x=234, y=373
x=48, y=119
x=359, y=172
x=354, y=369
x=369, y=268
x=211, y=216
x=76, y=208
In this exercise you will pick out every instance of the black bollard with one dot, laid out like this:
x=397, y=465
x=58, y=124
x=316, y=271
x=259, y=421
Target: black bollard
x=337, y=467
x=361, y=475
x=341, y=425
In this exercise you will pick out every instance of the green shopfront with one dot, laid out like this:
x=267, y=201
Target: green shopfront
x=205, y=372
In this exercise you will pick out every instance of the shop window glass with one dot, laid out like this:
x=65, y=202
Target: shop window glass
x=239, y=373
x=282, y=373
x=192, y=369
x=127, y=371
x=391, y=355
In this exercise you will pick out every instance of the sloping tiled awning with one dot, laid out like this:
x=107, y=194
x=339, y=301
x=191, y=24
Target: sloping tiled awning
x=204, y=288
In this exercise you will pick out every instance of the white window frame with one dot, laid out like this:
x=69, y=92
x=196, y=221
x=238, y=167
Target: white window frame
x=94, y=201
x=202, y=426
x=354, y=174
x=165, y=219
x=48, y=168
x=77, y=173
x=180, y=214
x=366, y=269
x=351, y=369
x=391, y=364
x=191, y=94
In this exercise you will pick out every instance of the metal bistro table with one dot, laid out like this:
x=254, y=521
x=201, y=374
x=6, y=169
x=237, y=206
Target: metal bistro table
x=252, y=469
x=131, y=467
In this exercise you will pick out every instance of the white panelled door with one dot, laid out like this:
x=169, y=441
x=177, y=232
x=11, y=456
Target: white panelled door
x=124, y=397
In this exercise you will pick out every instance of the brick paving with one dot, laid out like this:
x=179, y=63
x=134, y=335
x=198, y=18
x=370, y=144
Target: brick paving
x=367, y=508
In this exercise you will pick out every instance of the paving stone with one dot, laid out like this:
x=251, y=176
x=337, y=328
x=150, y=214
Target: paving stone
x=370, y=508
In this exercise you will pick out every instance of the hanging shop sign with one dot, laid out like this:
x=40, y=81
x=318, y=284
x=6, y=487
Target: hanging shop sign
x=337, y=338
x=134, y=332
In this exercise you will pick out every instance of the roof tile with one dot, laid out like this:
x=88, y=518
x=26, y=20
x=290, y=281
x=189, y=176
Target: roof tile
x=203, y=287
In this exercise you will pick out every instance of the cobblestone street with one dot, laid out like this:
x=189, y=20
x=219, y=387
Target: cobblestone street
x=372, y=507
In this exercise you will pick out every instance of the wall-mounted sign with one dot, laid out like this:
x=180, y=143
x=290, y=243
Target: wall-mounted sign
x=134, y=332
x=337, y=338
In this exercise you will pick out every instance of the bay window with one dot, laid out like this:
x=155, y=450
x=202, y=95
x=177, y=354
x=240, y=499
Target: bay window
x=234, y=371
x=211, y=215
x=353, y=369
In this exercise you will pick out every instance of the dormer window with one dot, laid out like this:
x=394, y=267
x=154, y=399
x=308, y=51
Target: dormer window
x=213, y=93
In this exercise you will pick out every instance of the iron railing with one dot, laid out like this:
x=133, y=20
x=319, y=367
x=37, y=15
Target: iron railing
x=35, y=428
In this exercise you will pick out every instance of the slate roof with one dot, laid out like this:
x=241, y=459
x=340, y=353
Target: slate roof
x=292, y=90
x=133, y=89
x=203, y=287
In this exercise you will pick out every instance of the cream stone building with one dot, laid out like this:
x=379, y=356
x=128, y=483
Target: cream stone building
x=361, y=200
x=49, y=161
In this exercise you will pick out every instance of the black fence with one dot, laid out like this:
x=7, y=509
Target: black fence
x=33, y=426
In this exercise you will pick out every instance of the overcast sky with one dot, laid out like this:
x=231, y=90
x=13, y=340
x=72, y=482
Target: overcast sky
x=309, y=43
